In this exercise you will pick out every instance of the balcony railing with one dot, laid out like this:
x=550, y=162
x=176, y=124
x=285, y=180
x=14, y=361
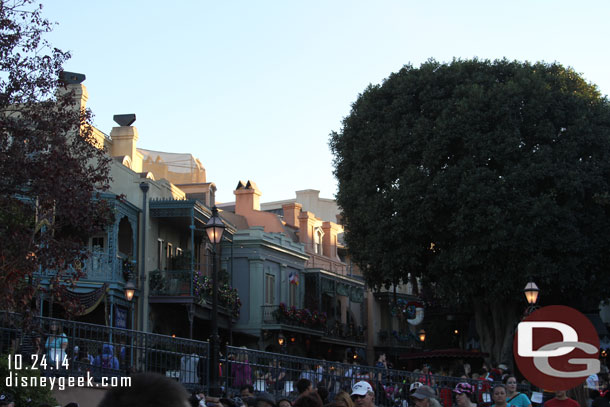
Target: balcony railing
x=347, y=332
x=183, y=283
x=173, y=283
x=305, y=318
x=320, y=262
x=100, y=266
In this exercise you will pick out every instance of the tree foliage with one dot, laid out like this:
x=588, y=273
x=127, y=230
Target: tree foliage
x=50, y=170
x=478, y=176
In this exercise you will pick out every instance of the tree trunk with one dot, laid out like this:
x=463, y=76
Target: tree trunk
x=496, y=325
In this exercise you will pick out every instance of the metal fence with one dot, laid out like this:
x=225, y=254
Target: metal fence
x=105, y=351
x=279, y=373
x=77, y=348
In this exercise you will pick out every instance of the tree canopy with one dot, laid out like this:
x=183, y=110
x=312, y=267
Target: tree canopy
x=477, y=176
x=50, y=170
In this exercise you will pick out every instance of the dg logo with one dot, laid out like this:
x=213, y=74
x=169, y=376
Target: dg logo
x=556, y=348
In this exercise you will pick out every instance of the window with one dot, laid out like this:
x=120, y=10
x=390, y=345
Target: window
x=168, y=255
x=178, y=251
x=160, y=254
x=317, y=241
x=97, y=243
x=269, y=289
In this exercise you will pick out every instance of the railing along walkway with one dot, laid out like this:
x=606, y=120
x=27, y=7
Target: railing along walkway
x=106, y=351
x=103, y=351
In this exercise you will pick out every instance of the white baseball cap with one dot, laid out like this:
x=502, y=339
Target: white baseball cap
x=361, y=388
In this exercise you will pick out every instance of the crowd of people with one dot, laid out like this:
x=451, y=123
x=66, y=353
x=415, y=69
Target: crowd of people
x=464, y=388
x=270, y=381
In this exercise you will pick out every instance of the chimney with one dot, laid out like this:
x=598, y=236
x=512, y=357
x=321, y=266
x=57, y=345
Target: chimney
x=291, y=213
x=124, y=139
x=247, y=198
x=329, y=241
x=74, y=83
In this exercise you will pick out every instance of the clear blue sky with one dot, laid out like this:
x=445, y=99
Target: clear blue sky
x=253, y=88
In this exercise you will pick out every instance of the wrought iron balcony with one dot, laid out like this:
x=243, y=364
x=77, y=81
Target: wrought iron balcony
x=184, y=283
x=172, y=283
x=100, y=266
x=286, y=315
x=347, y=332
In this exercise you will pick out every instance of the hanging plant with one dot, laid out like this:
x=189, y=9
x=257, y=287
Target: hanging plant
x=228, y=296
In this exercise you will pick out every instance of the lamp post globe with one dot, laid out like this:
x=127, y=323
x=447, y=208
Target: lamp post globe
x=130, y=290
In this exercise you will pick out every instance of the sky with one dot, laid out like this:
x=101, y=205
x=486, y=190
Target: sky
x=254, y=88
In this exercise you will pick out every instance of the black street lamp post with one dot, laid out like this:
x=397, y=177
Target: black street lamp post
x=214, y=229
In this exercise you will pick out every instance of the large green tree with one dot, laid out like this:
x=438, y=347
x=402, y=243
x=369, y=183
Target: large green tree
x=477, y=176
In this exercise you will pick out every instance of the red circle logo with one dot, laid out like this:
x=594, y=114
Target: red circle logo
x=556, y=348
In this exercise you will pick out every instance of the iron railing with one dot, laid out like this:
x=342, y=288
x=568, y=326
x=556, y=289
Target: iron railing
x=104, y=351
x=348, y=332
x=279, y=373
x=302, y=317
x=100, y=266
x=187, y=361
x=171, y=283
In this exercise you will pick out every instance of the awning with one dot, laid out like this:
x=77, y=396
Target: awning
x=444, y=353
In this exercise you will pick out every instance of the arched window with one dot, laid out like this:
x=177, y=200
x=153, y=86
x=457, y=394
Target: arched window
x=317, y=240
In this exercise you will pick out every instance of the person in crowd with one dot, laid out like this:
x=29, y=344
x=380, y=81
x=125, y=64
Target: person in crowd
x=308, y=373
x=445, y=393
x=351, y=373
x=414, y=386
x=197, y=398
x=514, y=397
x=424, y=396
x=426, y=376
x=498, y=372
x=6, y=399
x=561, y=399
x=592, y=382
x=601, y=399
x=381, y=364
x=188, y=369
x=323, y=393
x=463, y=395
x=304, y=386
x=246, y=391
x=275, y=377
x=363, y=394
x=498, y=395
x=485, y=373
x=241, y=370
x=239, y=402
x=56, y=345
x=581, y=394
x=343, y=399
x=265, y=399
x=147, y=390
x=310, y=400
x=284, y=402
x=107, y=360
